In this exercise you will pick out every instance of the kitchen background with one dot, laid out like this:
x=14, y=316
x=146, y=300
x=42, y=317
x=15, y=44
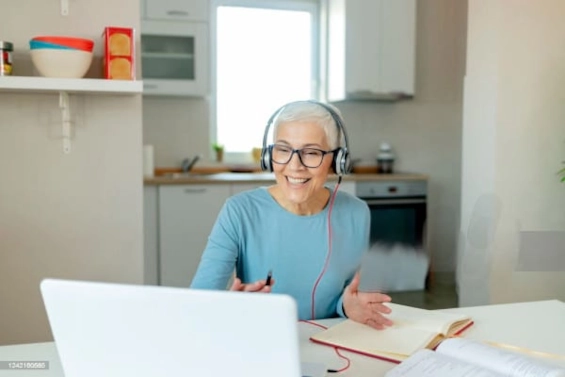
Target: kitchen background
x=80, y=215
x=415, y=127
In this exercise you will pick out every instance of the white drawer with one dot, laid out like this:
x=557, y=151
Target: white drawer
x=189, y=10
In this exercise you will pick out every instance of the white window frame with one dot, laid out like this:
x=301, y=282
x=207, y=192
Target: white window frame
x=312, y=6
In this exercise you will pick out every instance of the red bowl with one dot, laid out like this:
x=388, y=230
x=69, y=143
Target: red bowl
x=72, y=42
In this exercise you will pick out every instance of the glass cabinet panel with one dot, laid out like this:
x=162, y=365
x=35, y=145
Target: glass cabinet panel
x=174, y=58
x=168, y=57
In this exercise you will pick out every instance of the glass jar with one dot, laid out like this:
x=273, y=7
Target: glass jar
x=6, y=49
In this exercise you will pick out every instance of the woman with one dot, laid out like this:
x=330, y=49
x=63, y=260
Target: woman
x=286, y=228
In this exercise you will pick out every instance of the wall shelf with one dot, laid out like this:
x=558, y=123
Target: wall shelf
x=64, y=87
x=38, y=84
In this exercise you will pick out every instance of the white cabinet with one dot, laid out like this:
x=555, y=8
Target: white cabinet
x=370, y=49
x=186, y=216
x=174, y=58
x=175, y=10
x=150, y=235
x=175, y=47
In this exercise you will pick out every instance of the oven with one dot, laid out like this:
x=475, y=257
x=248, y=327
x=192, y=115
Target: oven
x=397, y=259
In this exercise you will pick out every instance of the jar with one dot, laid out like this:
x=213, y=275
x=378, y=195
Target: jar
x=6, y=49
x=385, y=159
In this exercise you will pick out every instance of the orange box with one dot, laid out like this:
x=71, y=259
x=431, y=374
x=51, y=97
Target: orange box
x=119, y=53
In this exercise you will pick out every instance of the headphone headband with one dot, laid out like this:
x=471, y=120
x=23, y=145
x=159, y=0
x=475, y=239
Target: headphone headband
x=341, y=162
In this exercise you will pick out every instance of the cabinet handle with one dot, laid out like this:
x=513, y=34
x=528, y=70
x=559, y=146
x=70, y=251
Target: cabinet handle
x=149, y=86
x=182, y=13
x=194, y=190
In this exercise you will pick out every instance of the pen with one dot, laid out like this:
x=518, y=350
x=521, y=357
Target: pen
x=268, y=280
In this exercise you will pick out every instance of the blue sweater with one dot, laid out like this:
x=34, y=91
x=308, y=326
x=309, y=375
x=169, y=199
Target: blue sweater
x=254, y=234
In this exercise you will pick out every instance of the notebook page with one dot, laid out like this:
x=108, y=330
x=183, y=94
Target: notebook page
x=394, y=340
x=426, y=363
x=503, y=361
x=434, y=321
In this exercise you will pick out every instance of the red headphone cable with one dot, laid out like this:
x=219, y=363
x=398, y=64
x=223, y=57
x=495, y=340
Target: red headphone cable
x=329, y=253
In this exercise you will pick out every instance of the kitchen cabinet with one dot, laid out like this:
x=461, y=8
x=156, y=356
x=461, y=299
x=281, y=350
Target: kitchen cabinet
x=175, y=58
x=150, y=235
x=370, y=49
x=186, y=216
x=175, y=10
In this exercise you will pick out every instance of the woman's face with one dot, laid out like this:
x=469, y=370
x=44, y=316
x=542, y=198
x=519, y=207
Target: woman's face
x=299, y=184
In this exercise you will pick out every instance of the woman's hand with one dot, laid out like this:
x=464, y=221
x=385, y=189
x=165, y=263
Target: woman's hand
x=258, y=286
x=365, y=307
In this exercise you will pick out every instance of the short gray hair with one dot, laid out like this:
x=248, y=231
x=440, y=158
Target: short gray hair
x=310, y=111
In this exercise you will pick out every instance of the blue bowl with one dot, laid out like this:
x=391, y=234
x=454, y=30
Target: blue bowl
x=33, y=45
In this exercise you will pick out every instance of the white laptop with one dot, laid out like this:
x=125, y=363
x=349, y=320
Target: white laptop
x=120, y=330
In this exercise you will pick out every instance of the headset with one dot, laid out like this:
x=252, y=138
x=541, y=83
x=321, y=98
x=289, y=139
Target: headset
x=341, y=163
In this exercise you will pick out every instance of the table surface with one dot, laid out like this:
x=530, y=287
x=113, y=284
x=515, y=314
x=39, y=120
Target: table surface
x=537, y=326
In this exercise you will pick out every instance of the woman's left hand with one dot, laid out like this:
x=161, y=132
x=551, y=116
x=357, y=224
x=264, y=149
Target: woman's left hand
x=366, y=307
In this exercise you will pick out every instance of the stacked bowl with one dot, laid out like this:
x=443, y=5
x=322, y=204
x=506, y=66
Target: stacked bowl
x=61, y=57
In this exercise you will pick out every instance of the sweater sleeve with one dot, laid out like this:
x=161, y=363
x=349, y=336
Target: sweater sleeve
x=220, y=255
x=366, y=216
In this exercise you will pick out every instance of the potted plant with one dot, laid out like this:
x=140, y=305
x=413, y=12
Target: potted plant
x=219, y=149
x=562, y=173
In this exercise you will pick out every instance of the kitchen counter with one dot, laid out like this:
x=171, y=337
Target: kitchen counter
x=222, y=178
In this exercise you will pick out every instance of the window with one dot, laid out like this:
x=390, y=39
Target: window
x=266, y=54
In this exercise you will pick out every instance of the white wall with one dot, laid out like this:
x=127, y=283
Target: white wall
x=514, y=142
x=426, y=131
x=68, y=216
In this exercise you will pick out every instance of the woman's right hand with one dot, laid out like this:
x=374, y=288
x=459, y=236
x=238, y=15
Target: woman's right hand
x=258, y=286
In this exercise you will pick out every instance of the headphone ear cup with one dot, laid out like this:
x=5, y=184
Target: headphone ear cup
x=346, y=162
x=266, y=162
x=336, y=163
x=341, y=164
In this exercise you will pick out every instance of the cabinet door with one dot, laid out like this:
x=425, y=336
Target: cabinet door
x=177, y=10
x=377, y=41
x=186, y=215
x=150, y=235
x=174, y=58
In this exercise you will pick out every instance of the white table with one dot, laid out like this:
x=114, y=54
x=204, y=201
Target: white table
x=538, y=326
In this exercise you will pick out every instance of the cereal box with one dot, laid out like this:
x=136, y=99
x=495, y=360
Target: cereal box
x=119, y=55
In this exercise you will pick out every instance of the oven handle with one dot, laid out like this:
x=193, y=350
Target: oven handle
x=394, y=201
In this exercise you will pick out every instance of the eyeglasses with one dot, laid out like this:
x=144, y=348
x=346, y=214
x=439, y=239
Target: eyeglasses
x=309, y=157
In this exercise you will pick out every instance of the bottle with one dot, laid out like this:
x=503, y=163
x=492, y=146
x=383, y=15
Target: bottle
x=6, y=49
x=385, y=159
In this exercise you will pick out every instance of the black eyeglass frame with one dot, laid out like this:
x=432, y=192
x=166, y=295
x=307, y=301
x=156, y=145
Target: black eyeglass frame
x=297, y=151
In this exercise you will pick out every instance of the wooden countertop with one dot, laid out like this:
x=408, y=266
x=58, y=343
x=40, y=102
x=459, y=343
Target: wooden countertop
x=222, y=178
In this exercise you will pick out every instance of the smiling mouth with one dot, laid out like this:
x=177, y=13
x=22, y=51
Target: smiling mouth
x=297, y=181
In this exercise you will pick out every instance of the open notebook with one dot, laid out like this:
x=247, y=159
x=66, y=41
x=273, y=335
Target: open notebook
x=460, y=357
x=413, y=329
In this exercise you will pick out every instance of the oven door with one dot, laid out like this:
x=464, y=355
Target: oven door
x=396, y=260
x=398, y=221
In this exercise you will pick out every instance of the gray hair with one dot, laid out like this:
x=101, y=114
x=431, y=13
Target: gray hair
x=306, y=111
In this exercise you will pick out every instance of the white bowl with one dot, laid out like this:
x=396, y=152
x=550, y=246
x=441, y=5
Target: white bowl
x=61, y=63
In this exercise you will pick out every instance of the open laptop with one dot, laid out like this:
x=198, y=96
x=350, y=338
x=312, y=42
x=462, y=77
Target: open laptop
x=121, y=330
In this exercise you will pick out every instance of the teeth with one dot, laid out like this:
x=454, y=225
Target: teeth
x=296, y=180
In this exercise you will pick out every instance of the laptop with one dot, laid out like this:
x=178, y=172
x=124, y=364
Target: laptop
x=121, y=330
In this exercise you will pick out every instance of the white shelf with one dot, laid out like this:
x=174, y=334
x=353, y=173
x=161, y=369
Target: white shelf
x=54, y=85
